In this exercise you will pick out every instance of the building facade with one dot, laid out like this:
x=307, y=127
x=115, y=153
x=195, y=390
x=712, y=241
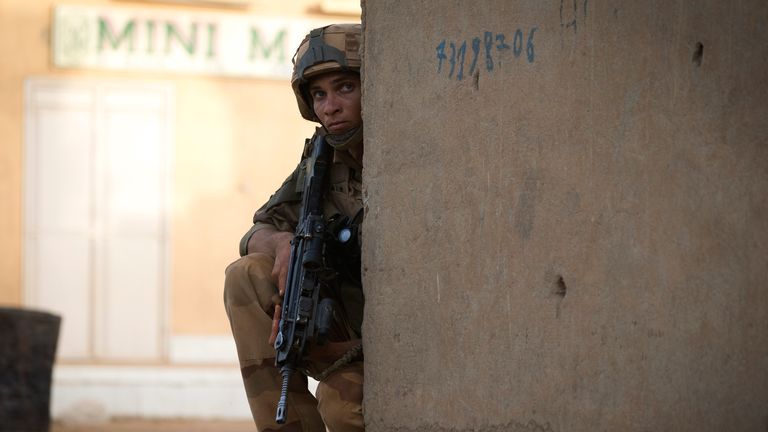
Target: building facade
x=138, y=138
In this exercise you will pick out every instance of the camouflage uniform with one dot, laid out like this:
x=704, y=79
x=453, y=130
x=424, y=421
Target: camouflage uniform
x=247, y=296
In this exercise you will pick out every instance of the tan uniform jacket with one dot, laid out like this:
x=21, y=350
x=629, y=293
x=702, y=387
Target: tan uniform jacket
x=342, y=196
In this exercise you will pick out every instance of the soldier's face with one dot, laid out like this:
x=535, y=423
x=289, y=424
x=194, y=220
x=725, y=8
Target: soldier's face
x=336, y=101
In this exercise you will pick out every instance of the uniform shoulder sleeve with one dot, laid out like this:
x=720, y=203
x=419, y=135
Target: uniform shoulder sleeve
x=293, y=186
x=289, y=191
x=282, y=209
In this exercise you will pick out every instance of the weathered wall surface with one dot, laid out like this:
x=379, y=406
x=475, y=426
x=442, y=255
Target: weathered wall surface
x=567, y=224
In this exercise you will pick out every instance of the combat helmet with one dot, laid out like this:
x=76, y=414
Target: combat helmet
x=326, y=49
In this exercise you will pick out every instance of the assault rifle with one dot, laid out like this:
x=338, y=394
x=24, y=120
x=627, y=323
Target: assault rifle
x=304, y=320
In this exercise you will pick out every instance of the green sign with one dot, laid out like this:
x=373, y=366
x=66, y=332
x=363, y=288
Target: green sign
x=169, y=40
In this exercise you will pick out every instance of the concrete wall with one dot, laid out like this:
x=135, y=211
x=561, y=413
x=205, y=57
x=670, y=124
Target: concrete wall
x=570, y=234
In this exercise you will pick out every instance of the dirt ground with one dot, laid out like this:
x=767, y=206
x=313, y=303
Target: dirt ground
x=134, y=425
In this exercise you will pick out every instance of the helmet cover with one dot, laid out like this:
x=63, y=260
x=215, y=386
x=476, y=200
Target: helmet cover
x=333, y=48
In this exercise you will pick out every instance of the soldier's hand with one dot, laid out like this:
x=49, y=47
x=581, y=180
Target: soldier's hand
x=279, y=275
x=282, y=260
x=275, y=324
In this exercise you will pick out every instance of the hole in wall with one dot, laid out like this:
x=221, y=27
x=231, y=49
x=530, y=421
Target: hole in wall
x=476, y=80
x=561, y=288
x=698, y=54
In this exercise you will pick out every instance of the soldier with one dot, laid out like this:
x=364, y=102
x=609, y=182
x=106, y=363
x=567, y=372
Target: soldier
x=326, y=81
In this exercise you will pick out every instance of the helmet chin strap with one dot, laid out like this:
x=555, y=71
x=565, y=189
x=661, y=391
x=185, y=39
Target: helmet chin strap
x=346, y=140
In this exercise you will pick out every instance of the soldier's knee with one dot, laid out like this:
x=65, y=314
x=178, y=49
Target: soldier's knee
x=340, y=399
x=342, y=417
x=255, y=262
x=249, y=279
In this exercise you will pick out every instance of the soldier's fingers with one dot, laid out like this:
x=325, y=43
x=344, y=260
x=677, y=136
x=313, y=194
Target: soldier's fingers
x=276, y=274
x=276, y=299
x=283, y=277
x=275, y=324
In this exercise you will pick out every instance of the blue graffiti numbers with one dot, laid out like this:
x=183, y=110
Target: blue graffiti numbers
x=493, y=47
x=462, y=54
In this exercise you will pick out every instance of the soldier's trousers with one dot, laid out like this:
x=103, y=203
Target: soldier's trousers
x=248, y=290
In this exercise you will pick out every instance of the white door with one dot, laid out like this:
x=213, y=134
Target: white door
x=96, y=193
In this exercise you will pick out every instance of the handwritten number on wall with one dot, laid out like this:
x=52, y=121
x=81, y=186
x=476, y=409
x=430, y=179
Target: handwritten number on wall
x=475, y=52
x=462, y=53
x=492, y=45
x=488, y=46
x=440, y=55
x=518, y=43
x=529, y=48
x=502, y=45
